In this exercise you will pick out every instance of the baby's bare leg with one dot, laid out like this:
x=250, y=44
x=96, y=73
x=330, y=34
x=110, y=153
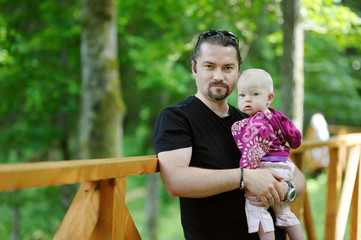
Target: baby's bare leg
x=295, y=232
x=265, y=235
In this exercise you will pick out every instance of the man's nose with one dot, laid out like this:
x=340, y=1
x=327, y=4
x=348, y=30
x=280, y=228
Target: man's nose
x=218, y=74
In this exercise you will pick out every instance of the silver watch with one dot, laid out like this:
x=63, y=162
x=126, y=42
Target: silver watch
x=291, y=194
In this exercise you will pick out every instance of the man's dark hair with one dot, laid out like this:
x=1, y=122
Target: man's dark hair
x=222, y=38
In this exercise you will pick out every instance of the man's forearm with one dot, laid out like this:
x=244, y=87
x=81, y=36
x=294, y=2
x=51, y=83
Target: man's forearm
x=181, y=180
x=195, y=182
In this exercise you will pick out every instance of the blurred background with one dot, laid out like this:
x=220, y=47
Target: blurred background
x=46, y=51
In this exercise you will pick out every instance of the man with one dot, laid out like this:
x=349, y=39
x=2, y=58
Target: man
x=198, y=158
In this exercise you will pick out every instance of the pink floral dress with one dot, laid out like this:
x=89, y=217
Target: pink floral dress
x=265, y=136
x=265, y=140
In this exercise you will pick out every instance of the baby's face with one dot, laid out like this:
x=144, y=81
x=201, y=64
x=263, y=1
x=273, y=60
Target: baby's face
x=253, y=95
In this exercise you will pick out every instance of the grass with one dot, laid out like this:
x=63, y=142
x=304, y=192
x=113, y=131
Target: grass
x=317, y=190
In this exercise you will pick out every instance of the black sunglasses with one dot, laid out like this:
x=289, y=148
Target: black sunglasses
x=210, y=33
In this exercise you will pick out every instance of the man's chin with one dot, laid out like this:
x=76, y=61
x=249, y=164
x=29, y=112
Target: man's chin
x=218, y=96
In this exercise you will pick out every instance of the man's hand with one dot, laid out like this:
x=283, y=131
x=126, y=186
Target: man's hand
x=264, y=187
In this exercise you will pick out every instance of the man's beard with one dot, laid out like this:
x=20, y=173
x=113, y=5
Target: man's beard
x=217, y=94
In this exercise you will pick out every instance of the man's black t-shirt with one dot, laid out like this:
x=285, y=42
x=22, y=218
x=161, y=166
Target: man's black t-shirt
x=190, y=123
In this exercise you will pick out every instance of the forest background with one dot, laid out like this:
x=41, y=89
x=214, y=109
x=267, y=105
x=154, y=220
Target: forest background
x=41, y=85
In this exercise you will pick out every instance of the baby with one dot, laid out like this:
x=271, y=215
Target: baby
x=265, y=140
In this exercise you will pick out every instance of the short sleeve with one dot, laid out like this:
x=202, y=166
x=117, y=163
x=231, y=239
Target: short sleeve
x=171, y=131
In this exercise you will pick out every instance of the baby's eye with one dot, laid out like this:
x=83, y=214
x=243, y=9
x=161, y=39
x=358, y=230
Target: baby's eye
x=255, y=94
x=241, y=95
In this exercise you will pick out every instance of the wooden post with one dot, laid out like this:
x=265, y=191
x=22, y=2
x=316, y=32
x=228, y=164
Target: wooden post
x=355, y=228
x=309, y=224
x=347, y=191
x=333, y=192
x=82, y=214
x=114, y=217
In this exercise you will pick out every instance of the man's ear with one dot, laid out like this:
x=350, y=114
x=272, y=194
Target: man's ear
x=194, y=68
x=271, y=96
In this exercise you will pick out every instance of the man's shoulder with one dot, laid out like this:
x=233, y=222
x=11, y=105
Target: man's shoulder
x=188, y=106
x=182, y=104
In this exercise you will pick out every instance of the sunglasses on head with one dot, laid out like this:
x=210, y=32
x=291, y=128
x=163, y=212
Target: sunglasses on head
x=210, y=33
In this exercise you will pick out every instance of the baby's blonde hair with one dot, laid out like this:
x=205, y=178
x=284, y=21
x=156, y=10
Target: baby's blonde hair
x=260, y=73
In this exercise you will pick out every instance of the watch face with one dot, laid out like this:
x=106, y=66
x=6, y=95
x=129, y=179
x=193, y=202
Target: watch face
x=291, y=195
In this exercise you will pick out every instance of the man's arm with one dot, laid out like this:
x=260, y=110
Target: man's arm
x=181, y=180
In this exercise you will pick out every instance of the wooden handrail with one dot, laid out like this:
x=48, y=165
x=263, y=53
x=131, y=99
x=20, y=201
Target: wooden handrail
x=336, y=141
x=40, y=174
x=344, y=167
x=98, y=211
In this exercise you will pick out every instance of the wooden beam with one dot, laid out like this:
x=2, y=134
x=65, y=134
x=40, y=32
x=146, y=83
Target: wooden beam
x=333, y=142
x=39, y=174
x=309, y=224
x=131, y=231
x=333, y=193
x=347, y=190
x=82, y=214
x=115, y=221
x=355, y=229
x=109, y=225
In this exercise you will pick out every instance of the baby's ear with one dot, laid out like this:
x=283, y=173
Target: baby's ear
x=271, y=96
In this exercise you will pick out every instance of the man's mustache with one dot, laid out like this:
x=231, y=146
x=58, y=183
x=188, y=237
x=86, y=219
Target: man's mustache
x=218, y=84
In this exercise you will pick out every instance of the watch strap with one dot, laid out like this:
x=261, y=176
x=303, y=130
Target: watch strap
x=291, y=194
x=290, y=184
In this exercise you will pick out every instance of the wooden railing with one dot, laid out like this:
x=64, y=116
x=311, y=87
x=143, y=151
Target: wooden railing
x=343, y=187
x=98, y=210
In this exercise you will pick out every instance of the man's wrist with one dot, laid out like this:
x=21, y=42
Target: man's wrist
x=291, y=192
x=293, y=184
x=241, y=181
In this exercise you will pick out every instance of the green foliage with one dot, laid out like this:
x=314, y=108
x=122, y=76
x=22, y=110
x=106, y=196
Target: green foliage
x=39, y=75
x=332, y=82
x=39, y=209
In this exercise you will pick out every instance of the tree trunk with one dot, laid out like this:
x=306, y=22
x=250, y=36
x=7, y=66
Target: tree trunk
x=292, y=87
x=15, y=215
x=102, y=107
x=152, y=205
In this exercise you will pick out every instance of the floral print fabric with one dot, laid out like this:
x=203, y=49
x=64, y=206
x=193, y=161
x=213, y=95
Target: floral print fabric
x=267, y=133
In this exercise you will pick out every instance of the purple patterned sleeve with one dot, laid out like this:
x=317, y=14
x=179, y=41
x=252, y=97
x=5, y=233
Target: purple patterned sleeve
x=285, y=129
